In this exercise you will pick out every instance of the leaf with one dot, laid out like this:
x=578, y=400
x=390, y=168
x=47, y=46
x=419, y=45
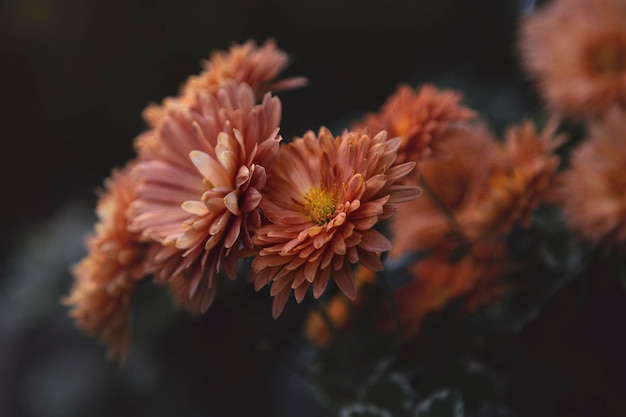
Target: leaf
x=394, y=392
x=364, y=410
x=444, y=403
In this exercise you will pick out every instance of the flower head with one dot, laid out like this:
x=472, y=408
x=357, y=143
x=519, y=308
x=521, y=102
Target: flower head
x=104, y=281
x=591, y=190
x=456, y=184
x=521, y=177
x=257, y=66
x=418, y=117
x=199, y=183
x=322, y=200
x=576, y=52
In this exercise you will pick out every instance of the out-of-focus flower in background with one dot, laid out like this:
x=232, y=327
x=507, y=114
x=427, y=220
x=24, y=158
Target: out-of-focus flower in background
x=419, y=117
x=575, y=51
x=257, y=66
x=591, y=190
x=457, y=231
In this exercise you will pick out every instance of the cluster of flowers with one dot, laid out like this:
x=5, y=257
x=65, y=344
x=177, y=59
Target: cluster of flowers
x=479, y=187
x=213, y=183
x=576, y=52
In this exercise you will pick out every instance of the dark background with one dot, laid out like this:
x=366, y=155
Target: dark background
x=75, y=76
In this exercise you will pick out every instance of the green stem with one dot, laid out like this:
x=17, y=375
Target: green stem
x=447, y=213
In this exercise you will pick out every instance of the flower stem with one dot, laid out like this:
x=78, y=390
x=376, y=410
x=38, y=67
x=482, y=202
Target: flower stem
x=447, y=213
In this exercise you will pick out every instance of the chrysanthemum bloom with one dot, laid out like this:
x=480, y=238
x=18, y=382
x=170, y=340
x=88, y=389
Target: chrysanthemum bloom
x=425, y=237
x=452, y=239
x=452, y=264
x=575, y=50
x=322, y=201
x=106, y=278
x=522, y=176
x=463, y=242
x=455, y=185
x=474, y=280
x=592, y=189
x=418, y=117
x=257, y=66
x=199, y=186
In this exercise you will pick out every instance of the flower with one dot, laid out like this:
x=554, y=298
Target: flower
x=454, y=184
x=575, y=50
x=522, y=176
x=475, y=280
x=457, y=260
x=322, y=201
x=460, y=225
x=431, y=246
x=199, y=185
x=248, y=63
x=418, y=117
x=105, y=280
x=591, y=189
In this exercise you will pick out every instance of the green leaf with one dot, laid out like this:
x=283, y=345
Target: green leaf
x=393, y=391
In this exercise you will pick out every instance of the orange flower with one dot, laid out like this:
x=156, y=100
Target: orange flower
x=418, y=118
x=322, y=200
x=521, y=177
x=576, y=52
x=475, y=279
x=458, y=226
x=592, y=188
x=466, y=241
x=247, y=63
x=199, y=186
x=455, y=264
x=457, y=181
x=104, y=281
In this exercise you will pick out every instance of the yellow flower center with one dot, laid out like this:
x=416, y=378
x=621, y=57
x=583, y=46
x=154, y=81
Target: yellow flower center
x=319, y=205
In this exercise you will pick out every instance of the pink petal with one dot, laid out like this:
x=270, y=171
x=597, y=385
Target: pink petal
x=403, y=193
x=320, y=283
x=195, y=207
x=301, y=291
x=251, y=200
x=374, y=241
x=210, y=169
x=344, y=278
x=231, y=202
x=279, y=303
